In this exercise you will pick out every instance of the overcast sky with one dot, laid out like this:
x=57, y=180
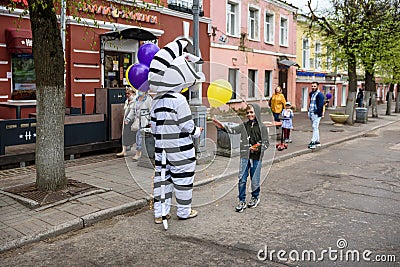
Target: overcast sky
x=302, y=4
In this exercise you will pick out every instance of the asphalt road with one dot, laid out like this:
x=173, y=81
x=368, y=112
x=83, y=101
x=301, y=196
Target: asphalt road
x=341, y=203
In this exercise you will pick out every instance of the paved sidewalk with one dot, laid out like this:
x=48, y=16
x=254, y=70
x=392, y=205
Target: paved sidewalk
x=127, y=187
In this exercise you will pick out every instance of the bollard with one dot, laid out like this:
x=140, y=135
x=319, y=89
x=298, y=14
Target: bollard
x=83, y=103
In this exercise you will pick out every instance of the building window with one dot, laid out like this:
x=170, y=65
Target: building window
x=306, y=53
x=252, y=83
x=23, y=77
x=267, y=83
x=253, y=24
x=233, y=80
x=232, y=19
x=317, y=56
x=269, y=28
x=284, y=31
x=329, y=58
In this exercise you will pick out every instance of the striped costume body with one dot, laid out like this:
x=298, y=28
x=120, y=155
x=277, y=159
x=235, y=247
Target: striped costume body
x=173, y=128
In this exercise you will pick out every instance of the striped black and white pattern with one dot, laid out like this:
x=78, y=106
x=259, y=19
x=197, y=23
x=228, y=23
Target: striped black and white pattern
x=173, y=128
x=170, y=69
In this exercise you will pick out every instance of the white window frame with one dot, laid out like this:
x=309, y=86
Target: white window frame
x=305, y=53
x=317, y=55
x=237, y=14
x=271, y=36
x=284, y=32
x=235, y=83
x=255, y=84
x=268, y=86
x=256, y=11
x=329, y=62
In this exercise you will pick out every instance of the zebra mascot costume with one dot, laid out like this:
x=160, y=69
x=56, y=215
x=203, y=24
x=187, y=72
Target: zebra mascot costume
x=173, y=129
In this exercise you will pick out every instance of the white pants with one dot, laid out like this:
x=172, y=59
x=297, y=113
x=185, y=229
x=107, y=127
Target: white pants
x=315, y=120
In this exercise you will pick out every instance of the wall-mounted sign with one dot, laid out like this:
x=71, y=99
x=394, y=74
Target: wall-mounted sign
x=117, y=13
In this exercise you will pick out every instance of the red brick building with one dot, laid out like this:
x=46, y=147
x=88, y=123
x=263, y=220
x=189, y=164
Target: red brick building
x=95, y=54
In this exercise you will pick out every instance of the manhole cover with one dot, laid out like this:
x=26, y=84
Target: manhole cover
x=31, y=196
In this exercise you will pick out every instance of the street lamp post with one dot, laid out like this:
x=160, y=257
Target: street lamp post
x=199, y=112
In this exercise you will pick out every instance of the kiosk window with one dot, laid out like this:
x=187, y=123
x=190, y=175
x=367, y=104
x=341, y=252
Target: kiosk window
x=115, y=66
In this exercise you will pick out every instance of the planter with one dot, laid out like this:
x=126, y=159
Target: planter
x=339, y=118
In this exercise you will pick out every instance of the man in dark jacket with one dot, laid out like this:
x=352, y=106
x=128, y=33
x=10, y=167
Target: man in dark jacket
x=253, y=142
x=315, y=111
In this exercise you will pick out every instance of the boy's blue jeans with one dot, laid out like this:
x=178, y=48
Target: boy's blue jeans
x=254, y=167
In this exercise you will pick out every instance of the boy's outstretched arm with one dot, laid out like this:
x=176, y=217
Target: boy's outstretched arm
x=217, y=123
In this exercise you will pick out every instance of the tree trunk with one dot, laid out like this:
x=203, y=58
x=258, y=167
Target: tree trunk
x=49, y=69
x=374, y=106
x=352, y=72
x=397, y=108
x=389, y=97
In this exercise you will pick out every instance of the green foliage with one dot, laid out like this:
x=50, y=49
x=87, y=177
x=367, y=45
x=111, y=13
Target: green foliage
x=368, y=30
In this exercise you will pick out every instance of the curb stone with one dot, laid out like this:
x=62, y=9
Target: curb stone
x=75, y=224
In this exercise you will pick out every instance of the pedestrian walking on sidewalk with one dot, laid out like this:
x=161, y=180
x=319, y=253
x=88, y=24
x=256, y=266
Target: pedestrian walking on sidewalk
x=287, y=122
x=315, y=111
x=277, y=103
x=253, y=142
x=128, y=137
x=360, y=97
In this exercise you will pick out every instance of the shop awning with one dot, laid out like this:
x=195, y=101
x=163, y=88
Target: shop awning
x=19, y=41
x=131, y=33
x=288, y=63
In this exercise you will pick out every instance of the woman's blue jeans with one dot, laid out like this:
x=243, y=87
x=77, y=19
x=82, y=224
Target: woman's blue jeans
x=276, y=116
x=254, y=168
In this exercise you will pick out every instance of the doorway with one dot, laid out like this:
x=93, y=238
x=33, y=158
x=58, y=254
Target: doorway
x=344, y=95
x=304, y=98
x=283, y=77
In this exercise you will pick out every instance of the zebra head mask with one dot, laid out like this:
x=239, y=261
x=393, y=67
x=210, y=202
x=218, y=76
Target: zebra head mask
x=170, y=69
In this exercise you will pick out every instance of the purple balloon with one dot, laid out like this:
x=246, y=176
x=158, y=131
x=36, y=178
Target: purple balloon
x=146, y=53
x=137, y=76
x=328, y=95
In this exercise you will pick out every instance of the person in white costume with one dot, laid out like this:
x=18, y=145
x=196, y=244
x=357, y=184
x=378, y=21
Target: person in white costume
x=173, y=128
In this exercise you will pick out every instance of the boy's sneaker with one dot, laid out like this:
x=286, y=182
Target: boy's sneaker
x=241, y=206
x=312, y=145
x=159, y=219
x=193, y=213
x=317, y=143
x=253, y=202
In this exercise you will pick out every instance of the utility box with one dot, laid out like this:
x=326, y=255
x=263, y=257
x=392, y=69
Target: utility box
x=361, y=115
x=228, y=144
x=148, y=149
x=110, y=101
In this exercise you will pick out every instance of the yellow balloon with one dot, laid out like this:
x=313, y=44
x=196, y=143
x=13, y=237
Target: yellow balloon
x=219, y=93
x=127, y=76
